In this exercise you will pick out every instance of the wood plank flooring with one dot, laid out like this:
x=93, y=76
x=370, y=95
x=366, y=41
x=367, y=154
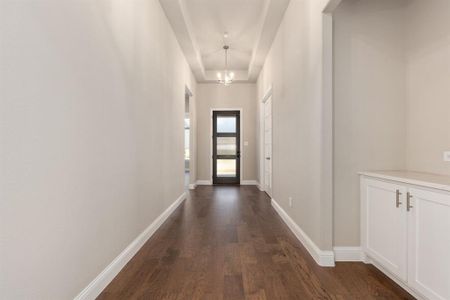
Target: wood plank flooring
x=227, y=242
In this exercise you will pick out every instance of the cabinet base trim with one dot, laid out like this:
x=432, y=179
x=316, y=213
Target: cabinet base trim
x=322, y=258
x=402, y=284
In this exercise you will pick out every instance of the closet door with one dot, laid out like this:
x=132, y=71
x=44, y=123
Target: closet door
x=385, y=225
x=429, y=243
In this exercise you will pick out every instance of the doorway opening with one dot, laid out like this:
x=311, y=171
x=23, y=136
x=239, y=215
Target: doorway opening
x=226, y=154
x=187, y=137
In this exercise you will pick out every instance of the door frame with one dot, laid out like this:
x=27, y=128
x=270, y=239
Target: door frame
x=241, y=147
x=262, y=183
x=192, y=139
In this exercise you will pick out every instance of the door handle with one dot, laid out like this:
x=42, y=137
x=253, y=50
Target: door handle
x=268, y=158
x=408, y=201
x=397, y=198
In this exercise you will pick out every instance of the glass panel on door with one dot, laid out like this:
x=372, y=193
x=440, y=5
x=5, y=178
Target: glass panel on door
x=226, y=168
x=226, y=124
x=226, y=146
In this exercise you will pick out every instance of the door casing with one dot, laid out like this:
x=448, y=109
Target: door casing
x=267, y=186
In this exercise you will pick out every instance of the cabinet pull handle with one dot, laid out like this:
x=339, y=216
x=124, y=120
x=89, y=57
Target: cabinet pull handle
x=397, y=198
x=408, y=201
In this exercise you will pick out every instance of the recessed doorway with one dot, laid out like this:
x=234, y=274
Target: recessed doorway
x=187, y=143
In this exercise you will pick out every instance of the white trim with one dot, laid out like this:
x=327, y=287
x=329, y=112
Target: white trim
x=192, y=131
x=203, y=182
x=249, y=182
x=107, y=275
x=348, y=254
x=241, y=136
x=327, y=127
x=260, y=187
x=267, y=95
x=323, y=258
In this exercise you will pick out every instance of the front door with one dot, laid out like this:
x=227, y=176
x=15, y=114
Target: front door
x=226, y=147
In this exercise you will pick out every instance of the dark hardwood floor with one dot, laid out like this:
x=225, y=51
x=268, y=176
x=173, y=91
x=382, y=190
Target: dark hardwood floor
x=227, y=242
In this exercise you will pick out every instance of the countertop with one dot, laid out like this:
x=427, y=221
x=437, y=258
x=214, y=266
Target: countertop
x=434, y=181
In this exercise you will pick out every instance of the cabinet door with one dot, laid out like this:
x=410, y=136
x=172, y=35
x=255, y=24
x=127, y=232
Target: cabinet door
x=429, y=243
x=385, y=225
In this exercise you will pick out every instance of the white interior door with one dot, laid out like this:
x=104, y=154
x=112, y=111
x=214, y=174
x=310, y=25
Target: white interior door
x=429, y=243
x=385, y=227
x=268, y=146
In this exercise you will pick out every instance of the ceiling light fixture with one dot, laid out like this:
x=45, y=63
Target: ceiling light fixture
x=225, y=77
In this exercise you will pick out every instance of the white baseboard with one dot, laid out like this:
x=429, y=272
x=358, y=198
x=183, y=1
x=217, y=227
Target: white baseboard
x=192, y=186
x=260, y=187
x=204, y=182
x=243, y=182
x=107, y=275
x=322, y=258
x=249, y=182
x=348, y=254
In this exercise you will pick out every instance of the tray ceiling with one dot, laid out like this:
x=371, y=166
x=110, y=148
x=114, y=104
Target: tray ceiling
x=200, y=26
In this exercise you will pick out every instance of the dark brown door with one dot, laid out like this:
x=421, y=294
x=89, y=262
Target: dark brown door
x=226, y=147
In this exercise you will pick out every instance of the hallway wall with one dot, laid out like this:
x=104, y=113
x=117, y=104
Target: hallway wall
x=369, y=102
x=428, y=88
x=91, y=137
x=236, y=95
x=294, y=69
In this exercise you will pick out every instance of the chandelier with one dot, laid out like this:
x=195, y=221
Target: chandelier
x=225, y=77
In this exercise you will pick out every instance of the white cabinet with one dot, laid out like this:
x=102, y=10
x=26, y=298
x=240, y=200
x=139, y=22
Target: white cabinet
x=385, y=226
x=405, y=229
x=429, y=243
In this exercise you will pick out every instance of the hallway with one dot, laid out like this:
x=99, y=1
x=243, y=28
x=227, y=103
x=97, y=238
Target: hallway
x=228, y=242
x=211, y=149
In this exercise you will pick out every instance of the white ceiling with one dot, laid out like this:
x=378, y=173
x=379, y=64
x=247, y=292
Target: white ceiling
x=211, y=18
x=200, y=25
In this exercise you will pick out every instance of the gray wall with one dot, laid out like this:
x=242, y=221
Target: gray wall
x=428, y=85
x=369, y=102
x=236, y=95
x=391, y=97
x=91, y=137
x=294, y=69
